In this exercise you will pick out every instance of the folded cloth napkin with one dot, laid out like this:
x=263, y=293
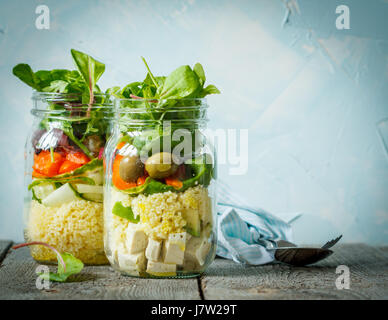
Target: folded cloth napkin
x=247, y=235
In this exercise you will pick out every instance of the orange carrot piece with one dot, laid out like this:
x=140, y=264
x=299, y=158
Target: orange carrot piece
x=48, y=165
x=116, y=179
x=177, y=184
x=36, y=174
x=78, y=157
x=120, y=145
x=141, y=180
x=68, y=166
x=175, y=179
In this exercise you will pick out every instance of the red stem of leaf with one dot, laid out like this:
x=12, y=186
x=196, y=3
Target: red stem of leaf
x=101, y=153
x=137, y=97
x=91, y=96
x=42, y=244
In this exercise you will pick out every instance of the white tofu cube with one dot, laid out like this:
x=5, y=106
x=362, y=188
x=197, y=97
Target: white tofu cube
x=136, y=239
x=197, y=250
x=174, y=248
x=117, y=240
x=118, y=249
x=161, y=269
x=153, y=250
x=178, y=238
x=133, y=263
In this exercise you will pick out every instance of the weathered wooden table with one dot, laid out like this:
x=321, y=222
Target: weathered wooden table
x=224, y=280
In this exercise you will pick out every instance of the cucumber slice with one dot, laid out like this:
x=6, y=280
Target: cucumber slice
x=87, y=188
x=64, y=194
x=96, y=197
x=43, y=190
x=193, y=221
x=90, y=192
x=96, y=175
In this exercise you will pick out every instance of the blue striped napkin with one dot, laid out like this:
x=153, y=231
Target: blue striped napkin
x=247, y=235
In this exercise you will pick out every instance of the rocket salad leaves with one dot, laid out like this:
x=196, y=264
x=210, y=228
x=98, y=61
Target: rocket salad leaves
x=82, y=81
x=67, y=264
x=73, y=266
x=86, y=127
x=57, y=80
x=91, y=70
x=181, y=83
x=159, y=93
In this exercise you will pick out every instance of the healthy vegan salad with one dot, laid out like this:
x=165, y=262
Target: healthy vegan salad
x=64, y=208
x=158, y=209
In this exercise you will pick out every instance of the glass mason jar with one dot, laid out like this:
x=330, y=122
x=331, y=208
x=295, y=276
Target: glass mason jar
x=64, y=176
x=159, y=194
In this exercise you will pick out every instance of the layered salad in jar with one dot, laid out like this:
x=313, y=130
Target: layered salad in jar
x=64, y=166
x=159, y=201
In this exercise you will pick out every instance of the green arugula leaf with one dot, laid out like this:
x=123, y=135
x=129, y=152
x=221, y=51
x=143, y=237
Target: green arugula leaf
x=61, y=81
x=132, y=88
x=114, y=91
x=90, y=69
x=167, y=92
x=150, y=74
x=198, y=69
x=56, y=86
x=210, y=89
x=181, y=83
x=149, y=82
x=57, y=80
x=73, y=266
x=24, y=73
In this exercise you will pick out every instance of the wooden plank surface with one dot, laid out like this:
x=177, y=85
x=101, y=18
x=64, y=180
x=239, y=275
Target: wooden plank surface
x=18, y=281
x=224, y=280
x=368, y=268
x=4, y=247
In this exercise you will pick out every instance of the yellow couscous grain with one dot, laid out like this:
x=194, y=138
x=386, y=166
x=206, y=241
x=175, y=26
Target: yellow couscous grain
x=75, y=227
x=161, y=213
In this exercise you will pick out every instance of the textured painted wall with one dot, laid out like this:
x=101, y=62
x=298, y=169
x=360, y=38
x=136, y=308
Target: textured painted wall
x=314, y=98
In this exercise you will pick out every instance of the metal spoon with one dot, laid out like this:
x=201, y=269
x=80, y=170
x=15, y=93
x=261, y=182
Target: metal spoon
x=289, y=253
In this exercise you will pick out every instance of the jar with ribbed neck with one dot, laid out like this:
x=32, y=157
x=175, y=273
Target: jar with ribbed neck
x=159, y=195
x=63, y=202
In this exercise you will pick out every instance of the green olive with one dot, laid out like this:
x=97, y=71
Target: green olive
x=94, y=143
x=131, y=168
x=161, y=165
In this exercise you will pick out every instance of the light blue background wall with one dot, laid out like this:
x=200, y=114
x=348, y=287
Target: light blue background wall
x=313, y=98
